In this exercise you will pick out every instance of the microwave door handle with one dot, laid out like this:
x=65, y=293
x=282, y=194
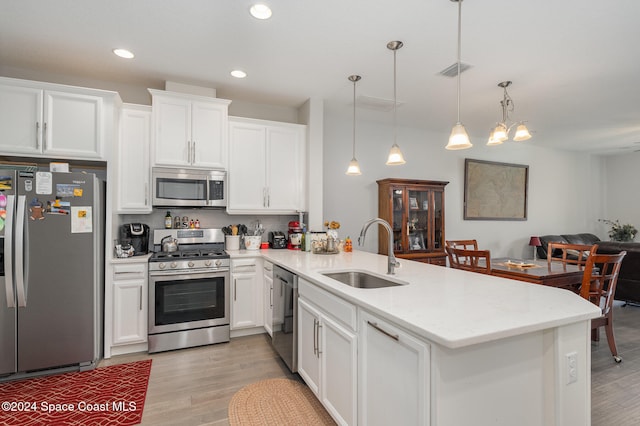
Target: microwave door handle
x=8, y=252
x=208, y=191
x=20, y=231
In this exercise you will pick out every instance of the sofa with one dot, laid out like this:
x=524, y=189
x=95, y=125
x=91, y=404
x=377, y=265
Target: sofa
x=628, y=289
x=586, y=239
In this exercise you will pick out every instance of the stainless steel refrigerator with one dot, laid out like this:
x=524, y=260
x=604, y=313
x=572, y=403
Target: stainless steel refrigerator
x=52, y=279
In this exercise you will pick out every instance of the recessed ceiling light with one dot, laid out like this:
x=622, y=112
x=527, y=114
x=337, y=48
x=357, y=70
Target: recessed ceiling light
x=238, y=74
x=260, y=11
x=123, y=53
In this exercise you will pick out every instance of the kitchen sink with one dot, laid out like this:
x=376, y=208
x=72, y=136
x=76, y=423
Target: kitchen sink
x=360, y=279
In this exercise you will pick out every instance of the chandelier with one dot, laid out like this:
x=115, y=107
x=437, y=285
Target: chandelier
x=500, y=133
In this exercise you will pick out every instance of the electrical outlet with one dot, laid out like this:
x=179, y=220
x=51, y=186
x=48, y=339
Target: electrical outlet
x=572, y=367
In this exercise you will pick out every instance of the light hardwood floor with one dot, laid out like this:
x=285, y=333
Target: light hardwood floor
x=194, y=386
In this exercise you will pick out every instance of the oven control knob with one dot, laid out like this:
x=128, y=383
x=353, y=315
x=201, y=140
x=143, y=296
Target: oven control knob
x=174, y=264
x=207, y=262
x=191, y=264
x=161, y=265
x=218, y=262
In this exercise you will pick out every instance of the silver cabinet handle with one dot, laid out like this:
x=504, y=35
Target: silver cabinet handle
x=315, y=340
x=44, y=135
x=193, y=152
x=235, y=289
x=268, y=197
x=146, y=194
x=271, y=296
x=37, y=134
x=385, y=332
x=140, y=307
x=264, y=197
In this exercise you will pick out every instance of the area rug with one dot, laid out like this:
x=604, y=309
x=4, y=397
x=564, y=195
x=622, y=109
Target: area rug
x=277, y=402
x=111, y=395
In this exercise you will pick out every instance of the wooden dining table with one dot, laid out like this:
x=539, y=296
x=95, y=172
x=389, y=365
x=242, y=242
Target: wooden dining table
x=554, y=274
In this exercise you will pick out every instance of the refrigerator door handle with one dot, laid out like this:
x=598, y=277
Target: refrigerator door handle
x=8, y=252
x=20, y=284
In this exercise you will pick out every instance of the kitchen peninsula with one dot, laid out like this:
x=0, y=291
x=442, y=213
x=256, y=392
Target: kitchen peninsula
x=447, y=347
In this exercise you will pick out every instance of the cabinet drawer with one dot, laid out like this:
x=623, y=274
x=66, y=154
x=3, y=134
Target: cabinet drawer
x=268, y=269
x=341, y=310
x=129, y=270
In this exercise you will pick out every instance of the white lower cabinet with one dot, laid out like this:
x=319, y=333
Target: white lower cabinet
x=393, y=374
x=129, y=303
x=328, y=351
x=246, y=293
x=268, y=296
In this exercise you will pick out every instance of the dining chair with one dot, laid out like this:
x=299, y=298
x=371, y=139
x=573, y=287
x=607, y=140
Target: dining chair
x=461, y=244
x=599, y=287
x=469, y=260
x=573, y=254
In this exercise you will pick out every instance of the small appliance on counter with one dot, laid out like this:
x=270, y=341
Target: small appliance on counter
x=295, y=235
x=277, y=240
x=137, y=235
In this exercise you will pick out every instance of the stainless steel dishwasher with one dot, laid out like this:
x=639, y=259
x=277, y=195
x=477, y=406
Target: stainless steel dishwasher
x=285, y=316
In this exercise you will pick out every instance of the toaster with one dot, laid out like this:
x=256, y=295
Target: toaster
x=277, y=240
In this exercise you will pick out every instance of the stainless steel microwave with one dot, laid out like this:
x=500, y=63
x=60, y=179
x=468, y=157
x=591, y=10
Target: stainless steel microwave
x=189, y=187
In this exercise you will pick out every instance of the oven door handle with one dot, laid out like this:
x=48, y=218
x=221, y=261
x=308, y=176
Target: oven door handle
x=187, y=275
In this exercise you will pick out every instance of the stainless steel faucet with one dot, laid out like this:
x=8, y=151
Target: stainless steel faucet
x=392, y=261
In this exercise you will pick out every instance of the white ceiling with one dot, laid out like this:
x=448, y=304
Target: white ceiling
x=574, y=64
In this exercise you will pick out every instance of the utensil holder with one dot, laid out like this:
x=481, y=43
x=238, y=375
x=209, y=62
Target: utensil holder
x=232, y=242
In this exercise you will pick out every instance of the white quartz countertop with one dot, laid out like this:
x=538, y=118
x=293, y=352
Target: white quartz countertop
x=447, y=306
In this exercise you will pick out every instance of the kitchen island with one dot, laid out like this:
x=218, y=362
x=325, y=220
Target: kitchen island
x=461, y=348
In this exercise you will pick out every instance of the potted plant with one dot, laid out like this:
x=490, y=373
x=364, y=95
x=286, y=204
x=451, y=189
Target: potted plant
x=619, y=232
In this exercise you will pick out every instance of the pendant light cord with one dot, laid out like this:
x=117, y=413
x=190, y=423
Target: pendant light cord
x=395, y=102
x=354, y=118
x=459, y=48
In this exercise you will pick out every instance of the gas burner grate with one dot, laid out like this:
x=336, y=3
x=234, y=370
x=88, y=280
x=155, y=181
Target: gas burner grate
x=169, y=255
x=211, y=253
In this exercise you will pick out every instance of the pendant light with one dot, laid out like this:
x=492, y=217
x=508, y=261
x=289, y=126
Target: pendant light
x=501, y=132
x=395, y=155
x=354, y=167
x=459, y=139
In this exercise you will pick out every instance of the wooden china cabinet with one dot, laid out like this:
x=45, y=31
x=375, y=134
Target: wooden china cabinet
x=415, y=211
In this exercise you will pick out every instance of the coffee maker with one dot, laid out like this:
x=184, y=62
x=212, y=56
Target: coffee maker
x=136, y=234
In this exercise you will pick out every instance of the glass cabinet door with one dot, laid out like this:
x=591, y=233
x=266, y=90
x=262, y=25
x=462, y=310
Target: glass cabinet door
x=418, y=221
x=398, y=218
x=438, y=228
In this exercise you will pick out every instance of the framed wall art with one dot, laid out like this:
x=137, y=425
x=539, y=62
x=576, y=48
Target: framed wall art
x=495, y=191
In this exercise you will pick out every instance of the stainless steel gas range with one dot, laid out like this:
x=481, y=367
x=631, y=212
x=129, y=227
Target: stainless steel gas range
x=188, y=290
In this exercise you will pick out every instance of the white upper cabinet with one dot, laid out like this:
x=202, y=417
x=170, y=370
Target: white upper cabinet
x=189, y=130
x=133, y=193
x=40, y=119
x=266, y=167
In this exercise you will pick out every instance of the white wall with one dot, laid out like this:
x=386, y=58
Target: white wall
x=622, y=196
x=564, y=193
